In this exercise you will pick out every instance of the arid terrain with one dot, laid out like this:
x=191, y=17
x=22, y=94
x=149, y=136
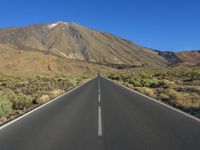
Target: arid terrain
x=177, y=86
x=39, y=62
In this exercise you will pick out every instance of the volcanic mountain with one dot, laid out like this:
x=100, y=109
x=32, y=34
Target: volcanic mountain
x=74, y=41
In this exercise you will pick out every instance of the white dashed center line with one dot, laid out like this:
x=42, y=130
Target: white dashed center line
x=99, y=122
x=99, y=111
x=99, y=98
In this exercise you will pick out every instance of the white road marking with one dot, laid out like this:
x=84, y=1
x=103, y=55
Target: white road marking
x=99, y=122
x=99, y=94
x=99, y=111
x=99, y=85
x=99, y=98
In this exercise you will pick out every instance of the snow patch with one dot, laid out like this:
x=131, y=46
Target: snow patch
x=53, y=25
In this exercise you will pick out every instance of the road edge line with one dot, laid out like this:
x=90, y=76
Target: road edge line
x=41, y=106
x=157, y=101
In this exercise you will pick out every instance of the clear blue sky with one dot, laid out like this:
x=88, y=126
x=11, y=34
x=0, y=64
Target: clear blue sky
x=160, y=24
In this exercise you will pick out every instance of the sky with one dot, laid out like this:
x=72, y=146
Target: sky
x=170, y=25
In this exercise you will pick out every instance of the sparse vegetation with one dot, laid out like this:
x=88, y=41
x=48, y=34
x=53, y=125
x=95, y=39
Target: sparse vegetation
x=19, y=94
x=5, y=107
x=177, y=86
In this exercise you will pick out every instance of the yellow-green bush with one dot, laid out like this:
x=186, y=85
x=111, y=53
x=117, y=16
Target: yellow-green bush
x=147, y=91
x=5, y=107
x=152, y=82
x=114, y=77
x=22, y=101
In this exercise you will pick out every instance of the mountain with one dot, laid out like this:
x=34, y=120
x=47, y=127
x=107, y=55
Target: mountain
x=190, y=57
x=183, y=57
x=171, y=57
x=74, y=41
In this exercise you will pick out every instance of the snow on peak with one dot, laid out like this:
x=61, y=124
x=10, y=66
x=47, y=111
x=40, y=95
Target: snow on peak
x=53, y=25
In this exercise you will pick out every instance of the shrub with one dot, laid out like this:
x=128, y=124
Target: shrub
x=154, y=82
x=166, y=82
x=115, y=77
x=8, y=94
x=136, y=83
x=22, y=101
x=146, y=91
x=56, y=93
x=5, y=107
x=43, y=99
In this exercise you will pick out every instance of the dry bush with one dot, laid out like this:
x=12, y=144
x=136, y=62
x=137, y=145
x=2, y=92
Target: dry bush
x=147, y=91
x=5, y=107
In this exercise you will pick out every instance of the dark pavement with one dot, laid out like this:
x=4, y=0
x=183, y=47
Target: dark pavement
x=101, y=115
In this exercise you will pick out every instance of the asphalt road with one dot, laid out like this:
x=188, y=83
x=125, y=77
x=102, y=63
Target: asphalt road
x=101, y=115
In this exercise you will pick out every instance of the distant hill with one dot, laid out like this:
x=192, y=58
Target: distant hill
x=190, y=57
x=171, y=57
x=183, y=57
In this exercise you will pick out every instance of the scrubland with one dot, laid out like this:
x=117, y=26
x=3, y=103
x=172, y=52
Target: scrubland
x=176, y=86
x=21, y=94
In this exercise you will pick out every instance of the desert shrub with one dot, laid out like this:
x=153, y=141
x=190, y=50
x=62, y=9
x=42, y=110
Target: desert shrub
x=188, y=89
x=166, y=83
x=5, y=107
x=22, y=101
x=7, y=93
x=43, y=99
x=114, y=77
x=163, y=96
x=128, y=85
x=154, y=82
x=136, y=83
x=84, y=77
x=126, y=80
x=172, y=93
x=194, y=75
x=56, y=93
x=184, y=100
x=147, y=91
x=126, y=77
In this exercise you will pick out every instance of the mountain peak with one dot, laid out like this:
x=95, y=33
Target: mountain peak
x=53, y=25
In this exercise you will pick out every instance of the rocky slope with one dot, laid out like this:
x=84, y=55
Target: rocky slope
x=20, y=62
x=183, y=57
x=190, y=57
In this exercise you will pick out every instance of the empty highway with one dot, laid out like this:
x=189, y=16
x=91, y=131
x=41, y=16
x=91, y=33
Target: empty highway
x=101, y=115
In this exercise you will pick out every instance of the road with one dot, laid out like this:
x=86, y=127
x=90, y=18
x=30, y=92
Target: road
x=101, y=115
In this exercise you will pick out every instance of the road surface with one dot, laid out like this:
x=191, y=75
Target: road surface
x=101, y=115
